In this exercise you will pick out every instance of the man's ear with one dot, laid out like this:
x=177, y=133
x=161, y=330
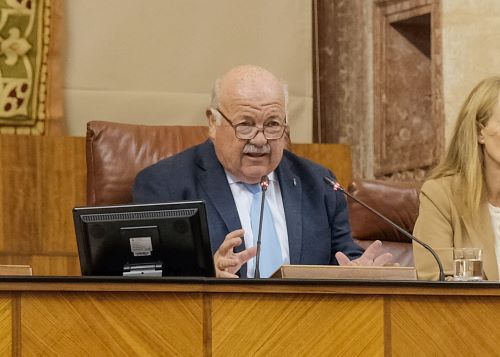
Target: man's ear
x=212, y=123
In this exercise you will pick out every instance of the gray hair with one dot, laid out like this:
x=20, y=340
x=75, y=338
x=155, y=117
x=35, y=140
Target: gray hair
x=214, y=99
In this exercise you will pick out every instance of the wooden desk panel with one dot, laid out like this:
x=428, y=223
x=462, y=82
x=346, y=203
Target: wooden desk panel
x=296, y=325
x=6, y=324
x=111, y=324
x=452, y=326
x=212, y=318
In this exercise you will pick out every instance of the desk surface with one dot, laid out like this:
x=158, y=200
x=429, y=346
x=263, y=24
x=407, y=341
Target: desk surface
x=271, y=286
x=219, y=317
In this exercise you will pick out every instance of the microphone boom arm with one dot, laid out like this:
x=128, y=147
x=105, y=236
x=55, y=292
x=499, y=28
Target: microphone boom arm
x=336, y=186
x=264, y=184
x=259, y=236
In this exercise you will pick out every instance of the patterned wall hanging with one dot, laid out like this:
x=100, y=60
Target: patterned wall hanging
x=30, y=73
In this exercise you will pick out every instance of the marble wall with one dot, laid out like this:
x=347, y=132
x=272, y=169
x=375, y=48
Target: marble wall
x=377, y=70
x=344, y=95
x=386, y=91
x=407, y=88
x=470, y=50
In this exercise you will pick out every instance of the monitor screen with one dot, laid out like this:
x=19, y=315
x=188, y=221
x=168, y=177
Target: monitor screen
x=164, y=239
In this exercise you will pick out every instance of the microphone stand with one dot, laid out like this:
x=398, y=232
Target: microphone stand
x=336, y=187
x=264, y=184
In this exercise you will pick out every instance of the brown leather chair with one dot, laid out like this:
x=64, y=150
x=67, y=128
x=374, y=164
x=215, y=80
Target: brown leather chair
x=117, y=152
x=398, y=201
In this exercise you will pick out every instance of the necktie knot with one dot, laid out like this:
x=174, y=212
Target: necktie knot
x=253, y=188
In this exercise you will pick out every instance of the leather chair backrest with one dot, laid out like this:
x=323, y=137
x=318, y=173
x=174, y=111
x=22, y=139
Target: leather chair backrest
x=117, y=152
x=398, y=201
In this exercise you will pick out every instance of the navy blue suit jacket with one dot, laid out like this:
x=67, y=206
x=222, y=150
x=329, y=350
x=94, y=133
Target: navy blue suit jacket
x=316, y=216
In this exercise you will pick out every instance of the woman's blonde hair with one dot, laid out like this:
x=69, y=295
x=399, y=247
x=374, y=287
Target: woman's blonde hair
x=464, y=157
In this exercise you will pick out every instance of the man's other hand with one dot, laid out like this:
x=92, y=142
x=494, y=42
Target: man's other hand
x=371, y=257
x=227, y=262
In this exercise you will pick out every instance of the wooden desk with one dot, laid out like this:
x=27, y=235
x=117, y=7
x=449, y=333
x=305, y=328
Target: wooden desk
x=204, y=317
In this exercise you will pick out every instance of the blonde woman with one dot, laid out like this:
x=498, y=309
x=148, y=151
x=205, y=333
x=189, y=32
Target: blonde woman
x=460, y=203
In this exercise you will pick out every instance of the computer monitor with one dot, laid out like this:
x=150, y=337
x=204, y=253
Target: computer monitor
x=164, y=239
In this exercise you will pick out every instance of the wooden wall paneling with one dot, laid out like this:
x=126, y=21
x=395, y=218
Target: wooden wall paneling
x=56, y=265
x=63, y=175
x=336, y=157
x=19, y=194
x=41, y=180
x=46, y=264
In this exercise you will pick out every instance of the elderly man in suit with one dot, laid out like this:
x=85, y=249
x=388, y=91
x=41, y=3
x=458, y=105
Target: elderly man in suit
x=304, y=220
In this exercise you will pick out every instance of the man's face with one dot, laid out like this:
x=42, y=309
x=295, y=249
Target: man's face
x=252, y=102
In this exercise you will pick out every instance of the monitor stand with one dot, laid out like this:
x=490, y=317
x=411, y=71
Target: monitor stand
x=146, y=269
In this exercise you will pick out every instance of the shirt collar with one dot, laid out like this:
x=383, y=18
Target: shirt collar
x=232, y=180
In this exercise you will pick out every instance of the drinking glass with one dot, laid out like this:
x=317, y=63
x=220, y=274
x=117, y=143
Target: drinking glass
x=468, y=264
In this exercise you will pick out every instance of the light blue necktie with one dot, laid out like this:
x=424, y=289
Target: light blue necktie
x=270, y=249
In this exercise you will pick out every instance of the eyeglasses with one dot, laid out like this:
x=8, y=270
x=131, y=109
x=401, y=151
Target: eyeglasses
x=272, y=129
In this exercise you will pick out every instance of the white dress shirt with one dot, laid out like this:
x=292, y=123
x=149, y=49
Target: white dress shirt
x=495, y=221
x=243, y=199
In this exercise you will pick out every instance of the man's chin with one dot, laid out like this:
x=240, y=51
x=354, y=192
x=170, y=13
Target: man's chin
x=255, y=174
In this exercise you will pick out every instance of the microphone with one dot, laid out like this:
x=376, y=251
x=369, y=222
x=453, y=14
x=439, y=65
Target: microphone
x=264, y=184
x=336, y=187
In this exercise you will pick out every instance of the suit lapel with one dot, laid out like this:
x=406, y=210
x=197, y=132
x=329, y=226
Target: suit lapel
x=291, y=193
x=212, y=178
x=481, y=235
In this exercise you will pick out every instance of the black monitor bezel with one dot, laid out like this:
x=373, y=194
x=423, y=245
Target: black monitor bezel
x=83, y=240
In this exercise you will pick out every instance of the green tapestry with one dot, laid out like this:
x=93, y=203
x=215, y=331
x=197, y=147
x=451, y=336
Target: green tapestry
x=24, y=43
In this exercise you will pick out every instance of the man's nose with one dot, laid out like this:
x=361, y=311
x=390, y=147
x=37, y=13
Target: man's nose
x=259, y=139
